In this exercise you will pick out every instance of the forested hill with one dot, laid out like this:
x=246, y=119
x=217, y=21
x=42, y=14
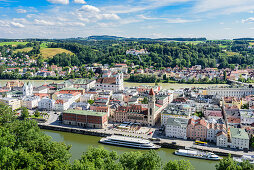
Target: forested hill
x=223, y=54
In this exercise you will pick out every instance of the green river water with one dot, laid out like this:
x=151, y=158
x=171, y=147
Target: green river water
x=80, y=144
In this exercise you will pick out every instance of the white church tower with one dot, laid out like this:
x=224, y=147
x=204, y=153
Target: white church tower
x=151, y=108
x=28, y=89
x=119, y=81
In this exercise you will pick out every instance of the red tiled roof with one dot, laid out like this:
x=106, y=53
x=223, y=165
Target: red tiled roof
x=151, y=92
x=106, y=80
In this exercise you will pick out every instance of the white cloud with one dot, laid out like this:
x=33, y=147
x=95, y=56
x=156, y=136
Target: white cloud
x=88, y=13
x=248, y=20
x=16, y=24
x=141, y=5
x=224, y=6
x=180, y=21
x=64, y=2
x=21, y=11
x=43, y=22
x=111, y=16
x=79, y=1
x=168, y=20
x=4, y=24
x=89, y=8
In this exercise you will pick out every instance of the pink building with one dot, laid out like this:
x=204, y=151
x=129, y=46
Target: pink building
x=197, y=129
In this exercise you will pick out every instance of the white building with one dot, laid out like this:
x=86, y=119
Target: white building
x=176, y=128
x=227, y=92
x=137, y=52
x=28, y=89
x=110, y=83
x=222, y=139
x=41, y=89
x=86, y=84
x=30, y=102
x=175, y=111
x=64, y=101
x=239, y=138
x=86, y=97
x=247, y=116
x=213, y=128
x=13, y=102
x=46, y=104
x=235, y=138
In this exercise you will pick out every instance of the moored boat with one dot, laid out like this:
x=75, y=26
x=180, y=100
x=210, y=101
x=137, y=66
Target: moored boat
x=129, y=142
x=197, y=154
x=250, y=158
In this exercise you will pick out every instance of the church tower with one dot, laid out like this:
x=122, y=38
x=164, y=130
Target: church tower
x=28, y=89
x=151, y=108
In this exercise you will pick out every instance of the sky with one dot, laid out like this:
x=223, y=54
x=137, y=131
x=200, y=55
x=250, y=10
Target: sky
x=213, y=19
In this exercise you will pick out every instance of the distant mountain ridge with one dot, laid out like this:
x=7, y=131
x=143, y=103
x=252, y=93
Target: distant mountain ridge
x=245, y=39
x=107, y=37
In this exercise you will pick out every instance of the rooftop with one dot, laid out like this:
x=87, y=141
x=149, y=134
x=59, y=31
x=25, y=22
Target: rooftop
x=85, y=112
x=238, y=133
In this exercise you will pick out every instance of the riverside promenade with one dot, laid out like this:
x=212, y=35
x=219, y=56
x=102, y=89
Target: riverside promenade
x=164, y=142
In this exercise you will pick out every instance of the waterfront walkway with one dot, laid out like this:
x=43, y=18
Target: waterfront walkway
x=177, y=142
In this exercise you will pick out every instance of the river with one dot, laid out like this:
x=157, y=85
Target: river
x=126, y=84
x=81, y=143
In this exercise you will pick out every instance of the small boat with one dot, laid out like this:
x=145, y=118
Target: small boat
x=129, y=142
x=197, y=154
x=250, y=158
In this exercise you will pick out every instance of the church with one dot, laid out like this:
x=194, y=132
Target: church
x=27, y=89
x=136, y=113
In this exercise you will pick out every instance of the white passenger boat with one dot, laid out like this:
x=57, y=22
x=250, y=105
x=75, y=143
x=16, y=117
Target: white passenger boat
x=129, y=142
x=250, y=158
x=197, y=154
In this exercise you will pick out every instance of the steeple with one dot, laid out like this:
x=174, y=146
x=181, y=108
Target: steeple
x=151, y=108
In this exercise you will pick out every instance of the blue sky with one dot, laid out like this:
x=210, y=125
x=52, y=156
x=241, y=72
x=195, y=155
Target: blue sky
x=214, y=19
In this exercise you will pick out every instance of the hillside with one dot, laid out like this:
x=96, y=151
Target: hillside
x=13, y=43
x=50, y=52
x=46, y=52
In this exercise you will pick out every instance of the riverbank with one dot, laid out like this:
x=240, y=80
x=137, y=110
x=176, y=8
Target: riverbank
x=80, y=144
x=174, y=86
x=164, y=143
x=126, y=84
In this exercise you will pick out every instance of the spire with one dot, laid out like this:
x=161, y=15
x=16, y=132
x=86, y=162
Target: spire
x=151, y=92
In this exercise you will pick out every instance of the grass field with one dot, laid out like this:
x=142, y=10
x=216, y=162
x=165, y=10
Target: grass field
x=223, y=46
x=43, y=45
x=13, y=43
x=50, y=52
x=46, y=52
x=27, y=49
x=232, y=53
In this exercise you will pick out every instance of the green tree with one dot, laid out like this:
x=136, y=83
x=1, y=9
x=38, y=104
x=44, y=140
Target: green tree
x=149, y=161
x=24, y=113
x=129, y=160
x=24, y=146
x=98, y=158
x=145, y=100
x=6, y=114
x=90, y=102
x=37, y=113
x=178, y=165
x=229, y=164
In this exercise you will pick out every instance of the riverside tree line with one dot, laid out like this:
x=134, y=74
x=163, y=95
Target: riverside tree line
x=24, y=146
